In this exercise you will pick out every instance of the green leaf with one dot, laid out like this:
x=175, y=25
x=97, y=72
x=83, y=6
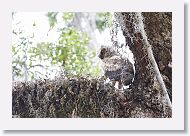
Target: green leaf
x=52, y=18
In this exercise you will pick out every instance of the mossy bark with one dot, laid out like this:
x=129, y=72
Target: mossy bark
x=158, y=26
x=140, y=31
x=67, y=98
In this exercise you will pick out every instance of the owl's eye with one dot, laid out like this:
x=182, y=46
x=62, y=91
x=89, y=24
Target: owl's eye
x=102, y=53
x=103, y=50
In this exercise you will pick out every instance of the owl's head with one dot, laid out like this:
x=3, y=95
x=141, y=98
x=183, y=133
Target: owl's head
x=106, y=52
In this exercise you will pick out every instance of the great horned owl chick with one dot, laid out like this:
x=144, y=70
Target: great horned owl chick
x=115, y=67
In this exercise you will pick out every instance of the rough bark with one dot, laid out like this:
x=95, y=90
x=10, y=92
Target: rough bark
x=148, y=86
x=158, y=28
x=70, y=97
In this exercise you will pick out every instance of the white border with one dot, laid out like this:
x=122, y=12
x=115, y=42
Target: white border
x=174, y=123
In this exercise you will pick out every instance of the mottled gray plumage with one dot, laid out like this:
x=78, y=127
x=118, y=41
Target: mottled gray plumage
x=115, y=67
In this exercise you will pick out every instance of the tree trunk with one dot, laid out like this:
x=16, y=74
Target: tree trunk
x=150, y=93
x=159, y=31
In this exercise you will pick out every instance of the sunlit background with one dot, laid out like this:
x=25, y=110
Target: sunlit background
x=46, y=45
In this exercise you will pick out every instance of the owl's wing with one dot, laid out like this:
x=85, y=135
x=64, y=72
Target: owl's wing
x=113, y=63
x=114, y=75
x=118, y=69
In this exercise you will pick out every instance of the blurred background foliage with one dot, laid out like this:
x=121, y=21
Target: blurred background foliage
x=103, y=20
x=73, y=53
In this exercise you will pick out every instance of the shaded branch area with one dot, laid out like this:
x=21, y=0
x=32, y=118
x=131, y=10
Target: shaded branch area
x=82, y=97
x=75, y=97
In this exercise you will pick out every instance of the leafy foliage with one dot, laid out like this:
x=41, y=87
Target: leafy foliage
x=52, y=18
x=70, y=52
x=103, y=20
x=67, y=16
x=20, y=60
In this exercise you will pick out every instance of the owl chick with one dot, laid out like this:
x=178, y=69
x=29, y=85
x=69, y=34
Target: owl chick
x=116, y=68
